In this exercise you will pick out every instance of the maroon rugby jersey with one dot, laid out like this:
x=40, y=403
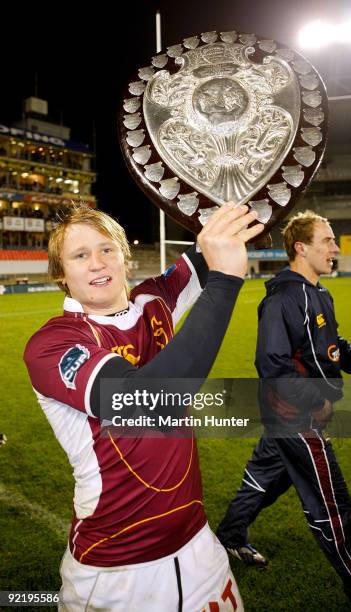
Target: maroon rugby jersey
x=136, y=499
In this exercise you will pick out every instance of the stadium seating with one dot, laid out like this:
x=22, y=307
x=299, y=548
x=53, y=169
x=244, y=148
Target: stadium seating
x=26, y=254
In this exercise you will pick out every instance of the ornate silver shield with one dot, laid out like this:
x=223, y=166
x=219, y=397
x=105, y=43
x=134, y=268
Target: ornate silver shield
x=224, y=116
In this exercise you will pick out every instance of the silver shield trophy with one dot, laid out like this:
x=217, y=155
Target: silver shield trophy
x=224, y=116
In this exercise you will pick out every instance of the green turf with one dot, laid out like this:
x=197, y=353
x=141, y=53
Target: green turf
x=36, y=484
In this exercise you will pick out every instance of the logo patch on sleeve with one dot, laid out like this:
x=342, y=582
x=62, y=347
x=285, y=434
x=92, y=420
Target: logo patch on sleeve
x=70, y=363
x=169, y=271
x=320, y=320
x=333, y=352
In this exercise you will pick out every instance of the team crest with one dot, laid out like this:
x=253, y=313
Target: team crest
x=70, y=363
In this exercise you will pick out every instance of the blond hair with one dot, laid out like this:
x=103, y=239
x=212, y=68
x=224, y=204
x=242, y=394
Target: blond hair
x=300, y=228
x=80, y=212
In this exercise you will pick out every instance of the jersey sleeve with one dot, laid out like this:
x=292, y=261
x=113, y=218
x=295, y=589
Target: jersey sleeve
x=63, y=360
x=281, y=331
x=180, y=285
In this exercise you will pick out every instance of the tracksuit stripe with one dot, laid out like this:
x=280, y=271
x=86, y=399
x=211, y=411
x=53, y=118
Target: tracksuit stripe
x=322, y=471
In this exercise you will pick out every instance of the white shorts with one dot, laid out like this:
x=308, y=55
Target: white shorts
x=197, y=578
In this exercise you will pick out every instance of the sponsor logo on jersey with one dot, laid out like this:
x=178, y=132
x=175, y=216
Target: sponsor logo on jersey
x=169, y=270
x=320, y=320
x=333, y=352
x=124, y=351
x=159, y=332
x=70, y=363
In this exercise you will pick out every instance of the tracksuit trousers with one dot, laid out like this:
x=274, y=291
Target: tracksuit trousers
x=307, y=461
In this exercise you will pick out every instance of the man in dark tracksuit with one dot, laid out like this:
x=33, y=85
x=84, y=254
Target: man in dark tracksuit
x=299, y=357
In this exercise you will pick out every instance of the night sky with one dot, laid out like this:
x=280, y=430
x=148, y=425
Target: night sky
x=83, y=60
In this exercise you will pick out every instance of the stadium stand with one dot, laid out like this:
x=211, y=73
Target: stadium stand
x=25, y=254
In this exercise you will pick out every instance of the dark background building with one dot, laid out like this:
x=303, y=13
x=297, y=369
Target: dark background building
x=41, y=169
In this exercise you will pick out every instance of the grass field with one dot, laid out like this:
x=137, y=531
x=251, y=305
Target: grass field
x=36, y=485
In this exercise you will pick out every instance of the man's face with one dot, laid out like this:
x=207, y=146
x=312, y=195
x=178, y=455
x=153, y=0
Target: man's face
x=322, y=250
x=94, y=269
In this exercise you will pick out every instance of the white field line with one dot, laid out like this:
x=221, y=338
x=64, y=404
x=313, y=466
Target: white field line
x=22, y=313
x=12, y=497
